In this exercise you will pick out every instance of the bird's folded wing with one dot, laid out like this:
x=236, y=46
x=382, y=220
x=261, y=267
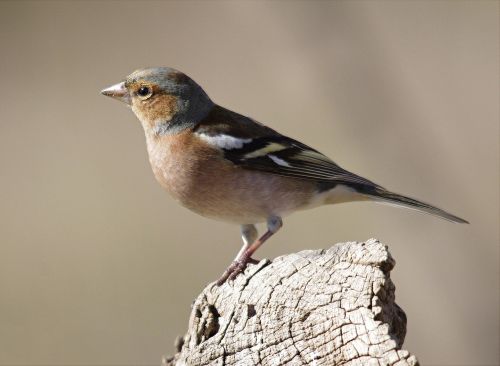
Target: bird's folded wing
x=252, y=145
x=284, y=156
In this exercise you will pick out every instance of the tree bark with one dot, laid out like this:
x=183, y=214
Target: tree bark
x=315, y=307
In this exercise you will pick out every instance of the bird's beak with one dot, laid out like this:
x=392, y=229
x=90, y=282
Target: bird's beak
x=119, y=92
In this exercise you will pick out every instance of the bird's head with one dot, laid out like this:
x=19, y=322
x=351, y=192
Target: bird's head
x=165, y=100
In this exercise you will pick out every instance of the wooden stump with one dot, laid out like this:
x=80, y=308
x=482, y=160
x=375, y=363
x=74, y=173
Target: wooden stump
x=315, y=307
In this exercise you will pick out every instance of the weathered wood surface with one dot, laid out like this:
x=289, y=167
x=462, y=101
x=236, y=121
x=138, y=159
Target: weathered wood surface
x=315, y=307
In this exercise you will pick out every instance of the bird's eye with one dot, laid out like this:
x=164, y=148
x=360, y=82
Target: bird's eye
x=144, y=92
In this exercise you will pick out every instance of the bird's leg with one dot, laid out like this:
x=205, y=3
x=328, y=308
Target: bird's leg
x=249, y=235
x=274, y=223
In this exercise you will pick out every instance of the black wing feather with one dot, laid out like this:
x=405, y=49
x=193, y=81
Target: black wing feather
x=298, y=161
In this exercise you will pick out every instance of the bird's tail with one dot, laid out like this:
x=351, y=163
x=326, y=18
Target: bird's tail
x=381, y=195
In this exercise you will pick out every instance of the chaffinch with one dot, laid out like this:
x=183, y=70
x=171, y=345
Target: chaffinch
x=226, y=166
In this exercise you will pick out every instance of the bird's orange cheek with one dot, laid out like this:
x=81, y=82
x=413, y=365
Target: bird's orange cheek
x=159, y=109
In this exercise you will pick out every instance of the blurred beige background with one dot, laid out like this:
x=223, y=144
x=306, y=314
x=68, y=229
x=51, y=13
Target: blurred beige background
x=98, y=266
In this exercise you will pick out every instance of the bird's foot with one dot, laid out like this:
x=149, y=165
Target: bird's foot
x=253, y=261
x=235, y=269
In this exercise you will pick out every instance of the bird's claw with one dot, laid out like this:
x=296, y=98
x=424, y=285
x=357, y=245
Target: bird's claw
x=235, y=269
x=228, y=273
x=238, y=268
x=253, y=261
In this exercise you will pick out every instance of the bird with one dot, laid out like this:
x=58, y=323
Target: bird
x=226, y=166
